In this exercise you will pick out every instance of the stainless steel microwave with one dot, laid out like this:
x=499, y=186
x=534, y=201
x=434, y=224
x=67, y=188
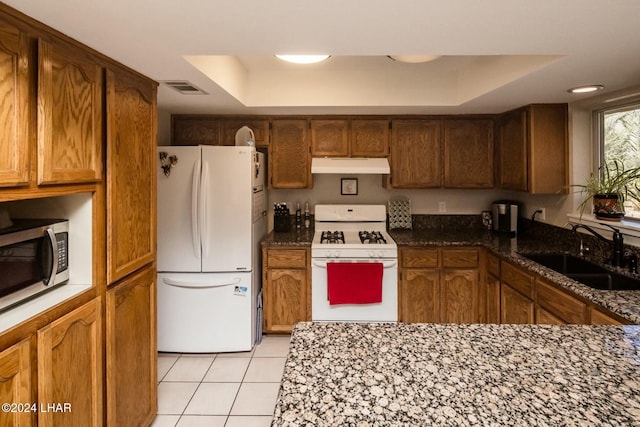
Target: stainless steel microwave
x=34, y=258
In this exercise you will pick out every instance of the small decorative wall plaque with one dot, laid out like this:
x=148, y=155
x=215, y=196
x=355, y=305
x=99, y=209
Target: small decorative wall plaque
x=349, y=186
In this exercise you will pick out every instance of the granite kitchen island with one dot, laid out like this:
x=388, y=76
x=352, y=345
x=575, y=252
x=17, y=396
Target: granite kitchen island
x=387, y=374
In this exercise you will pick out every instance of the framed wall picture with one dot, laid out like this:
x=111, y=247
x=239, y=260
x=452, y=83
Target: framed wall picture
x=349, y=186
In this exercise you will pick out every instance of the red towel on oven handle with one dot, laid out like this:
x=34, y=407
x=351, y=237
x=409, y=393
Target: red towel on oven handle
x=354, y=282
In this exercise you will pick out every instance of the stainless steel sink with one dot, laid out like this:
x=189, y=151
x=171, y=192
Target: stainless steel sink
x=586, y=272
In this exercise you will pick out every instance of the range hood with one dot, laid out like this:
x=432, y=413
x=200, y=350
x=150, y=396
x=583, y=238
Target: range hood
x=349, y=165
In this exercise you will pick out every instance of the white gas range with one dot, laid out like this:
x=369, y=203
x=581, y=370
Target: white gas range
x=355, y=237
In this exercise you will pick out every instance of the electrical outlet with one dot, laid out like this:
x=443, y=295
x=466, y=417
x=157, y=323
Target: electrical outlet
x=442, y=206
x=542, y=215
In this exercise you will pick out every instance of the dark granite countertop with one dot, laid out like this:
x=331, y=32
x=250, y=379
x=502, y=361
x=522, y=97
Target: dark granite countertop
x=363, y=374
x=531, y=239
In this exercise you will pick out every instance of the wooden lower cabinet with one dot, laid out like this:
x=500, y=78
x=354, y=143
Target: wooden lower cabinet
x=15, y=383
x=70, y=367
x=515, y=308
x=285, y=289
x=544, y=317
x=131, y=351
x=559, y=304
x=598, y=317
x=439, y=285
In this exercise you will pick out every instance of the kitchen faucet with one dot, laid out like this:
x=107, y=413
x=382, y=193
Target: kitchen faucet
x=618, y=243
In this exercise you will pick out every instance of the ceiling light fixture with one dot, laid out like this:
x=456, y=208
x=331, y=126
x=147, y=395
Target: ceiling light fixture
x=413, y=59
x=585, y=89
x=303, y=59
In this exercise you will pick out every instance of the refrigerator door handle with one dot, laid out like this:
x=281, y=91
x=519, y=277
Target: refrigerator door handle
x=195, y=221
x=204, y=220
x=200, y=285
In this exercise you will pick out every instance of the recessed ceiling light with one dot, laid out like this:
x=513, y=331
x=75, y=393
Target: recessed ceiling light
x=585, y=89
x=303, y=59
x=413, y=59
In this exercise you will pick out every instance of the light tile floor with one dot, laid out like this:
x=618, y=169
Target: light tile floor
x=221, y=389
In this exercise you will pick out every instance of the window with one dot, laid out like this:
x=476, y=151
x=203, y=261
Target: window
x=619, y=141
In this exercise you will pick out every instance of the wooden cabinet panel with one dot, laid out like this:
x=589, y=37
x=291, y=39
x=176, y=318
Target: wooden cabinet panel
x=599, y=317
x=560, y=303
x=515, y=308
x=15, y=383
x=329, y=138
x=492, y=314
x=460, y=258
x=131, y=351
x=16, y=112
x=416, y=153
x=369, y=138
x=420, y=296
x=468, y=153
x=459, y=296
x=544, y=317
x=512, y=151
x=70, y=110
x=289, y=160
x=259, y=127
x=517, y=278
x=131, y=174
x=493, y=264
x=197, y=130
x=285, y=299
x=533, y=149
x=70, y=367
x=419, y=258
x=288, y=258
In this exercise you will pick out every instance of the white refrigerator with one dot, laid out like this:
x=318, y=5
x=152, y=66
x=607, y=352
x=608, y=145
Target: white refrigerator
x=211, y=218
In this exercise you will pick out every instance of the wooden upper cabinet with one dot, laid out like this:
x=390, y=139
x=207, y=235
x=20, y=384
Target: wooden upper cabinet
x=259, y=127
x=468, y=153
x=70, y=110
x=289, y=160
x=131, y=173
x=369, y=138
x=329, y=138
x=15, y=101
x=196, y=130
x=533, y=149
x=416, y=153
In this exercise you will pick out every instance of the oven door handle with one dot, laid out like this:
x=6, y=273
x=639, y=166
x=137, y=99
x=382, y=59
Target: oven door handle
x=385, y=264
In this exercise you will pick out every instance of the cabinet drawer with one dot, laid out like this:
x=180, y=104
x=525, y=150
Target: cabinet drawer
x=560, y=303
x=420, y=258
x=289, y=258
x=460, y=257
x=493, y=264
x=517, y=279
x=601, y=318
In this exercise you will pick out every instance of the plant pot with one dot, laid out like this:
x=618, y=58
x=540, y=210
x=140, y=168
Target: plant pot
x=607, y=207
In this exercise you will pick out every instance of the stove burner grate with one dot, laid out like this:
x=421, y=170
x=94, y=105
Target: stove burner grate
x=371, y=237
x=332, y=237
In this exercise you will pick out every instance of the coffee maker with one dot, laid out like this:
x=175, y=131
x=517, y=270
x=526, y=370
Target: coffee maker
x=505, y=216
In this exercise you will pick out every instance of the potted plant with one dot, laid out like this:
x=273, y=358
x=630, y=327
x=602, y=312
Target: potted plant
x=610, y=189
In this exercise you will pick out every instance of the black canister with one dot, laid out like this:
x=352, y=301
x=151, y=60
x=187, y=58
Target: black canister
x=281, y=218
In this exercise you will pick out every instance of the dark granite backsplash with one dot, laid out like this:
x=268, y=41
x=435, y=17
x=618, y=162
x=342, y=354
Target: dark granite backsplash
x=443, y=222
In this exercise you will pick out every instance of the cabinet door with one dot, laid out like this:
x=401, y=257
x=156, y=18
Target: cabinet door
x=420, y=296
x=69, y=115
x=600, y=318
x=14, y=96
x=544, y=317
x=369, y=138
x=131, y=351
x=70, y=367
x=459, y=296
x=289, y=162
x=512, y=151
x=559, y=303
x=492, y=314
x=329, y=138
x=131, y=173
x=196, y=130
x=468, y=153
x=515, y=308
x=15, y=383
x=260, y=130
x=416, y=154
x=549, y=149
x=285, y=299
